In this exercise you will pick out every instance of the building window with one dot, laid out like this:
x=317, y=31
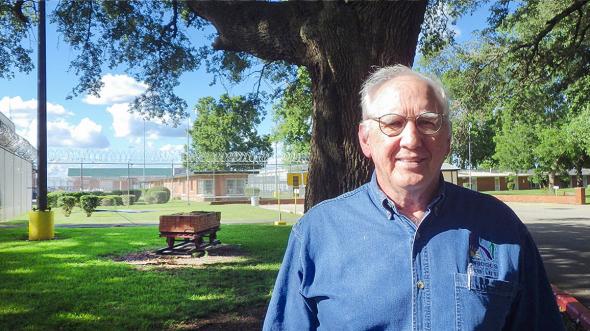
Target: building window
x=205, y=187
x=235, y=186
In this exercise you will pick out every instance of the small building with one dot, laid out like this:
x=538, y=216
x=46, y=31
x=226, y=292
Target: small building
x=574, y=178
x=493, y=180
x=206, y=185
x=450, y=173
x=108, y=179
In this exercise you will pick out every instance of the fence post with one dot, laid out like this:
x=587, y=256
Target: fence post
x=580, y=195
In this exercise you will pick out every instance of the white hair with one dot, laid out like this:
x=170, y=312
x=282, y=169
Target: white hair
x=385, y=74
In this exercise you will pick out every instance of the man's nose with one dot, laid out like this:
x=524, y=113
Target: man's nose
x=410, y=136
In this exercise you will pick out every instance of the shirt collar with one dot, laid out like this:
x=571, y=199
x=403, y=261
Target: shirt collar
x=388, y=207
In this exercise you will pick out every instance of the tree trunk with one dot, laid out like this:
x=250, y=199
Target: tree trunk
x=339, y=43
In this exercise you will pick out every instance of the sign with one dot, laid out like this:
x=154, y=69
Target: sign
x=297, y=179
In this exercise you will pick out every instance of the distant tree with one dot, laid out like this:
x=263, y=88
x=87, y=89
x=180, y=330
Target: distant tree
x=526, y=75
x=514, y=144
x=224, y=126
x=293, y=115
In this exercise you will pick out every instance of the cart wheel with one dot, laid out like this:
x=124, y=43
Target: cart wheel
x=198, y=242
x=170, y=242
x=212, y=238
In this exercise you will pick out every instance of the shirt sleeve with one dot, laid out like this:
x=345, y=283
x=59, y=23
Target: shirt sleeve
x=288, y=308
x=534, y=307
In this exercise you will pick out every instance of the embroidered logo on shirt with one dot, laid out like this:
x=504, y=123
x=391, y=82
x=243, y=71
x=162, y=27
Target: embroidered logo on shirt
x=482, y=256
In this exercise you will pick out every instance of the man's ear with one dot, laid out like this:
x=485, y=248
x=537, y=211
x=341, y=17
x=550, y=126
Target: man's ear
x=363, y=133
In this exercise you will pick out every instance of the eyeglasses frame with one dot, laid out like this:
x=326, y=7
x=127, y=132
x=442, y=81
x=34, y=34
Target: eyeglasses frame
x=407, y=118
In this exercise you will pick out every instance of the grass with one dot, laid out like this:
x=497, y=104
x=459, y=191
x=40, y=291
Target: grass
x=563, y=191
x=231, y=213
x=71, y=283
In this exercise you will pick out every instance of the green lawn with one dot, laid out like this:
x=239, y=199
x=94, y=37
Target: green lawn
x=72, y=283
x=564, y=191
x=150, y=213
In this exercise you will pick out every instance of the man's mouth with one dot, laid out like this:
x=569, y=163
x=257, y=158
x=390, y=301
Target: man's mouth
x=410, y=160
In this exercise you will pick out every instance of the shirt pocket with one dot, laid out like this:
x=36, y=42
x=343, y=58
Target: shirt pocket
x=482, y=303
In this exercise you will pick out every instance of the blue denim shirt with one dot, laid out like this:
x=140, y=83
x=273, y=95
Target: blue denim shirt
x=355, y=263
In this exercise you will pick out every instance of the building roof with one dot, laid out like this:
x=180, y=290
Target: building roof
x=447, y=166
x=120, y=172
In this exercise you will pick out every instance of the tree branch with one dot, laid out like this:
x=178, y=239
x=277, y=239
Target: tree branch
x=576, y=5
x=269, y=31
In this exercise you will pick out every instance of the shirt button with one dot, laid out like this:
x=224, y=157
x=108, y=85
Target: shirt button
x=420, y=284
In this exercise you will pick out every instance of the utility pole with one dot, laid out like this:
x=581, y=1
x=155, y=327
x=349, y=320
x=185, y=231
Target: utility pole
x=469, y=151
x=42, y=112
x=188, y=140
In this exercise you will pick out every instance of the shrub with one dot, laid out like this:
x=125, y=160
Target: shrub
x=111, y=200
x=67, y=203
x=53, y=197
x=161, y=196
x=107, y=201
x=89, y=203
x=150, y=195
x=128, y=199
x=252, y=191
x=136, y=194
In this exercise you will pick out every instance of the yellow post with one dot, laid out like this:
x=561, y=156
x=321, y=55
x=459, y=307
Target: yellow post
x=41, y=225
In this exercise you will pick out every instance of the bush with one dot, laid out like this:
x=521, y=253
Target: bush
x=53, y=197
x=111, y=200
x=67, y=203
x=89, y=203
x=128, y=199
x=161, y=196
x=136, y=194
x=107, y=201
x=252, y=191
x=157, y=195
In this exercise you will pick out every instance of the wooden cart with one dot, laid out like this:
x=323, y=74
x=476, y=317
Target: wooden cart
x=191, y=227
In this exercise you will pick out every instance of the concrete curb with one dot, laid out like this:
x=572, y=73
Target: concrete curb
x=576, y=311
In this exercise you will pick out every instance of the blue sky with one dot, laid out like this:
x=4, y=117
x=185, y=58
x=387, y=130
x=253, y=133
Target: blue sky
x=104, y=123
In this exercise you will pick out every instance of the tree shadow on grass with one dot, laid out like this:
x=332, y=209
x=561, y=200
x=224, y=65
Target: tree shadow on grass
x=566, y=254
x=69, y=284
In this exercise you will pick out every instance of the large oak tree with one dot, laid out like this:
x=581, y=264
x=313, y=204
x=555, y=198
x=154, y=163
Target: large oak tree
x=337, y=41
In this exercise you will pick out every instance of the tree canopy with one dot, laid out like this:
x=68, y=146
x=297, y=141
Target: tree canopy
x=226, y=126
x=523, y=83
x=292, y=114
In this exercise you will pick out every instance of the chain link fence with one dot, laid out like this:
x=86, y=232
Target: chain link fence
x=218, y=178
x=17, y=157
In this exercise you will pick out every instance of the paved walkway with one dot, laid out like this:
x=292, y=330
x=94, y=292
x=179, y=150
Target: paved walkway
x=562, y=233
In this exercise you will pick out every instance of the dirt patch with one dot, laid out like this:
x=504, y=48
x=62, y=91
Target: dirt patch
x=221, y=253
x=249, y=319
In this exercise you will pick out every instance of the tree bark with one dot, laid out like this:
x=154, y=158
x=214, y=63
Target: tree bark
x=339, y=43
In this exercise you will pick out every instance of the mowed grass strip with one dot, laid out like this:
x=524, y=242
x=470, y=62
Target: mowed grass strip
x=150, y=213
x=72, y=282
x=562, y=191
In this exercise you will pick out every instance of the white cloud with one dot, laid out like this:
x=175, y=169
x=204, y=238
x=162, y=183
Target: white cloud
x=131, y=125
x=23, y=113
x=117, y=89
x=86, y=134
x=172, y=148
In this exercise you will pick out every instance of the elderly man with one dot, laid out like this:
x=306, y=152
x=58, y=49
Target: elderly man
x=408, y=251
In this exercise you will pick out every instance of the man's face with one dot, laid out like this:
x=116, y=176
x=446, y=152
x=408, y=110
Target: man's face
x=410, y=161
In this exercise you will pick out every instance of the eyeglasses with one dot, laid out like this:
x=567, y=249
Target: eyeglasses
x=393, y=124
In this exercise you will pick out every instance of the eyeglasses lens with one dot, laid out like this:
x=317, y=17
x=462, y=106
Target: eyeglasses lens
x=393, y=124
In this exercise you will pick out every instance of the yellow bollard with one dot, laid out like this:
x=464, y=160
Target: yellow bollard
x=41, y=225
